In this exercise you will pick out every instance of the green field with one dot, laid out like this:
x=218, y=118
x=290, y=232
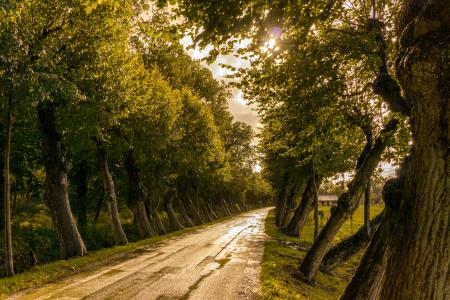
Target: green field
x=283, y=254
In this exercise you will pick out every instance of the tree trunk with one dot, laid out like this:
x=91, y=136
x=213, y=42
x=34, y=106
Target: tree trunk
x=206, y=209
x=367, y=209
x=350, y=246
x=280, y=208
x=316, y=214
x=174, y=223
x=194, y=211
x=303, y=209
x=290, y=204
x=137, y=194
x=347, y=203
x=187, y=220
x=2, y=183
x=225, y=206
x=416, y=245
x=368, y=278
x=71, y=243
x=110, y=193
x=213, y=213
x=159, y=224
x=7, y=193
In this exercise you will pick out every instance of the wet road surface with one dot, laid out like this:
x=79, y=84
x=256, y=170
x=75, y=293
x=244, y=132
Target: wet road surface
x=217, y=262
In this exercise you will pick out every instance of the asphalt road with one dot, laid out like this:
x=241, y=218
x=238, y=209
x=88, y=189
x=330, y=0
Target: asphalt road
x=216, y=262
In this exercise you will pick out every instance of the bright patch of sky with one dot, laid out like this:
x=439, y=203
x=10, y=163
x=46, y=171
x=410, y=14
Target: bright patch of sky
x=238, y=107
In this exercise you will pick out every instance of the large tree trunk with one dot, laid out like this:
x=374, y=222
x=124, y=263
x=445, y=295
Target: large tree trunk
x=7, y=193
x=368, y=277
x=110, y=193
x=57, y=198
x=350, y=246
x=347, y=203
x=194, y=211
x=415, y=245
x=137, y=195
x=302, y=211
x=174, y=223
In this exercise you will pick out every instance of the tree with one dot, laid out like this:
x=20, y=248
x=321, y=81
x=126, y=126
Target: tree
x=398, y=240
x=424, y=196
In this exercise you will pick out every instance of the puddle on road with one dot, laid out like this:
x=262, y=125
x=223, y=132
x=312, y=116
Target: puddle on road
x=112, y=272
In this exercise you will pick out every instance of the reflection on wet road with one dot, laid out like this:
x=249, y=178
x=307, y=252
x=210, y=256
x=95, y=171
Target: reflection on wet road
x=218, y=262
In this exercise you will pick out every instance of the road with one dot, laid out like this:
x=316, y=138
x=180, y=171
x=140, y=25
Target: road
x=217, y=262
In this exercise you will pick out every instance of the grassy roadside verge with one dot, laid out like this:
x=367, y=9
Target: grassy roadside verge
x=282, y=255
x=50, y=272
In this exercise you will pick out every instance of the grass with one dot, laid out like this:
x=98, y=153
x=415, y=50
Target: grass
x=50, y=272
x=283, y=254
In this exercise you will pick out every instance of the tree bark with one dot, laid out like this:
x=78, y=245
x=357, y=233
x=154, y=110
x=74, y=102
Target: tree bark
x=187, y=220
x=137, y=194
x=316, y=214
x=110, y=193
x=7, y=192
x=213, y=213
x=290, y=204
x=368, y=278
x=347, y=204
x=350, y=246
x=280, y=208
x=194, y=211
x=159, y=224
x=225, y=205
x=302, y=211
x=415, y=246
x=206, y=209
x=174, y=223
x=367, y=209
x=71, y=243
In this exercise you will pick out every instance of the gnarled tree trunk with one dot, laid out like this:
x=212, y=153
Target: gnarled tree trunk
x=302, y=211
x=367, y=209
x=415, y=245
x=290, y=204
x=347, y=203
x=137, y=194
x=71, y=243
x=110, y=193
x=174, y=223
x=350, y=246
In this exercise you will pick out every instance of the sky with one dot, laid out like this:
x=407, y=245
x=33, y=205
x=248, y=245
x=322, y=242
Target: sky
x=238, y=107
